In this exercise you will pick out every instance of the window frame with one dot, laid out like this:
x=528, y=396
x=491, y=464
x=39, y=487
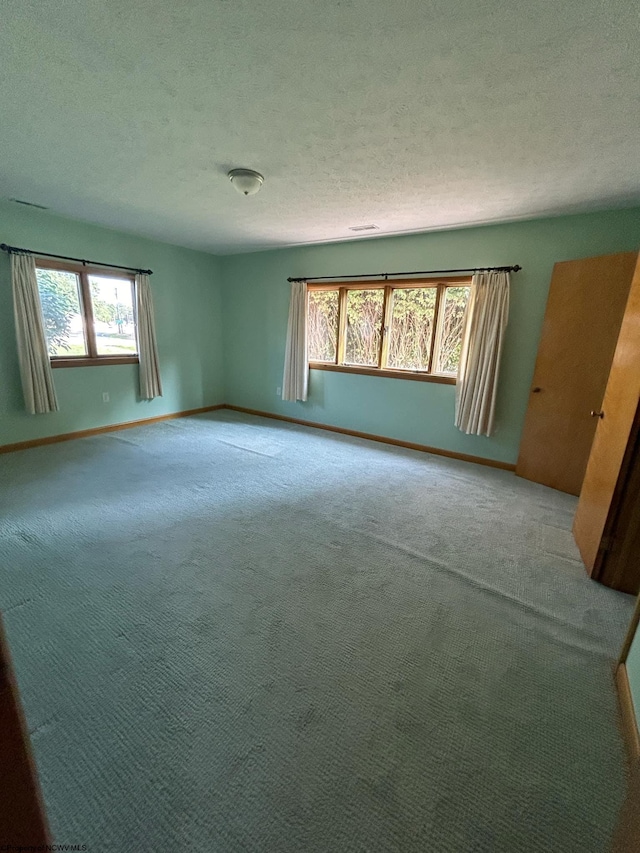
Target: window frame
x=93, y=359
x=387, y=307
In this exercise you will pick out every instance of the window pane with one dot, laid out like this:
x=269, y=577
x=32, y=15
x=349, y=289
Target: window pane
x=412, y=328
x=323, y=325
x=60, y=299
x=364, y=326
x=112, y=300
x=448, y=352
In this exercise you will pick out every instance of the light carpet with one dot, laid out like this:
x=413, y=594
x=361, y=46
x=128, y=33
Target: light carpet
x=234, y=634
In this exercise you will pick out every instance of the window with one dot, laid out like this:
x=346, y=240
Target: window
x=88, y=314
x=410, y=329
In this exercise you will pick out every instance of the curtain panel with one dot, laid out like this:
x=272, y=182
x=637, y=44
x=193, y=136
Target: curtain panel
x=295, y=382
x=35, y=367
x=150, y=383
x=482, y=341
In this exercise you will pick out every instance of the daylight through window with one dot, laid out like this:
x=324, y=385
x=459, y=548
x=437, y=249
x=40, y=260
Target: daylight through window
x=411, y=328
x=88, y=315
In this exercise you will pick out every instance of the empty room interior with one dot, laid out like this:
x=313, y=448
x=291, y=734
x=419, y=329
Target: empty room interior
x=320, y=426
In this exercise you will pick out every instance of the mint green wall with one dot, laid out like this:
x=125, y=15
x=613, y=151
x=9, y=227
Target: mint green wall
x=194, y=292
x=255, y=307
x=633, y=673
x=187, y=299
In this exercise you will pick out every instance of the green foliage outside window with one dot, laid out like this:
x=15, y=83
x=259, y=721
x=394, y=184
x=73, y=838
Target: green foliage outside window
x=66, y=324
x=114, y=314
x=60, y=304
x=448, y=355
x=364, y=326
x=412, y=328
x=413, y=324
x=322, y=328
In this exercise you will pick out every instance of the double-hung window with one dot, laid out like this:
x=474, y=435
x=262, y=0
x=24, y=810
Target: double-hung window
x=410, y=329
x=89, y=314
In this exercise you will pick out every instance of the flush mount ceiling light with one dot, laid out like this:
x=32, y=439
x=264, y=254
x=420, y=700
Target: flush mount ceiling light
x=246, y=181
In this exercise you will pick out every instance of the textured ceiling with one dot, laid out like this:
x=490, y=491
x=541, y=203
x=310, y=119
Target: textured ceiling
x=410, y=114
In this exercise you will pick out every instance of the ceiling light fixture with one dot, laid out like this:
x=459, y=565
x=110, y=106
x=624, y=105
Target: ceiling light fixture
x=363, y=228
x=246, y=181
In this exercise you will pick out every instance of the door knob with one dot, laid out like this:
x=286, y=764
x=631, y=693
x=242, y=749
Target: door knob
x=596, y=414
x=536, y=390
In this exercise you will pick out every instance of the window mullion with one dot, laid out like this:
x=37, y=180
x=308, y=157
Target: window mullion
x=387, y=311
x=436, y=326
x=87, y=315
x=342, y=325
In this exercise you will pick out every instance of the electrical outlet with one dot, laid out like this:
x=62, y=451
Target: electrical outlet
x=279, y=391
x=105, y=396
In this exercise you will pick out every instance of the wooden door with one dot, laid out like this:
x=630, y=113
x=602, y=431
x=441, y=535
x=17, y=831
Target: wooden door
x=581, y=326
x=23, y=823
x=601, y=492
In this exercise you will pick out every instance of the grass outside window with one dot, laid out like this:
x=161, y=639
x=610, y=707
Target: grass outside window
x=89, y=314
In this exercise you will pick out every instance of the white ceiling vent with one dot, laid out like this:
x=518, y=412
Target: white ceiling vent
x=28, y=203
x=363, y=228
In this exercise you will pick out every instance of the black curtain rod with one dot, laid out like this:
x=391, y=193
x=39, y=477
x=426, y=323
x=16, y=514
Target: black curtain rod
x=11, y=249
x=386, y=275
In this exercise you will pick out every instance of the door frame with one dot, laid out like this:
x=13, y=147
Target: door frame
x=632, y=454
x=23, y=820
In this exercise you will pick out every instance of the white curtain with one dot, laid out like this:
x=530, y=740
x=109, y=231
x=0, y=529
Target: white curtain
x=35, y=367
x=150, y=384
x=482, y=339
x=296, y=361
